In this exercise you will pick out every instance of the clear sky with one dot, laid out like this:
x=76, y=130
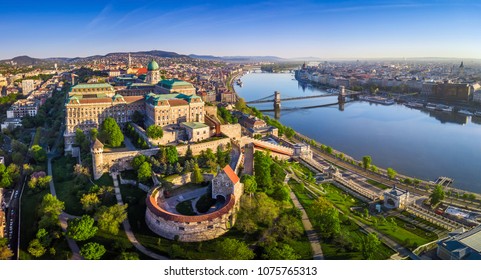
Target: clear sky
x=298, y=28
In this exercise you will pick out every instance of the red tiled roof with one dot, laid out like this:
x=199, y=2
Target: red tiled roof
x=231, y=174
x=154, y=208
x=141, y=71
x=178, y=102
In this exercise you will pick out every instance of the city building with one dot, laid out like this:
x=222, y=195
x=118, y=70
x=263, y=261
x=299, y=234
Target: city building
x=175, y=85
x=196, y=131
x=454, y=91
x=27, y=86
x=165, y=109
x=3, y=81
x=461, y=245
x=89, y=105
x=89, y=112
x=22, y=108
x=92, y=90
x=11, y=123
x=396, y=198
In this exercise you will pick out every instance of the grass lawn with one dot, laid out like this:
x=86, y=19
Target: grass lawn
x=409, y=236
x=377, y=184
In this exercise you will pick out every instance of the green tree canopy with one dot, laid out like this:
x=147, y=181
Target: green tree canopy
x=36, y=249
x=369, y=246
x=145, y=172
x=233, y=249
x=5, y=252
x=391, y=173
x=110, y=218
x=110, y=133
x=262, y=170
x=50, y=210
x=81, y=229
x=171, y=154
x=250, y=184
x=38, y=153
x=137, y=161
x=92, y=251
x=129, y=256
x=437, y=195
x=89, y=201
x=280, y=252
x=366, y=162
x=326, y=217
x=196, y=175
x=155, y=131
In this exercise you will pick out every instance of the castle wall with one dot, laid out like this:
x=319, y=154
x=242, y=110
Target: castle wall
x=231, y=130
x=189, y=228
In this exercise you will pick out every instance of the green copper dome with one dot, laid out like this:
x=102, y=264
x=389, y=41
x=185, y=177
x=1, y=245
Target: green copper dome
x=152, y=66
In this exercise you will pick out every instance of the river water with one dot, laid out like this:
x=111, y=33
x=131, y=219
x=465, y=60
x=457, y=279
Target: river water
x=422, y=144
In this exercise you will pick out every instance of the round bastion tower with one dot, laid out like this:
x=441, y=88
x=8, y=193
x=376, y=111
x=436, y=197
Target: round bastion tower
x=97, y=150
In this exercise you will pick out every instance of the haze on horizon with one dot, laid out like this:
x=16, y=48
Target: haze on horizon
x=284, y=28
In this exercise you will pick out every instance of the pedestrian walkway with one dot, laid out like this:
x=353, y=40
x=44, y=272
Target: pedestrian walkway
x=128, y=229
x=310, y=232
x=64, y=217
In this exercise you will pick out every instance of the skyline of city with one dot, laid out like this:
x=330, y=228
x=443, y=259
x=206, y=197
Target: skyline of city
x=288, y=29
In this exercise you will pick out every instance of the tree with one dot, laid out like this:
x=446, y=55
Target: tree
x=280, y=252
x=326, y=217
x=171, y=154
x=92, y=251
x=366, y=162
x=241, y=105
x=137, y=161
x=262, y=170
x=38, y=153
x=329, y=149
x=50, y=210
x=35, y=248
x=369, y=246
x=81, y=229
x=129, y=256
x=110, y=133
x=89, y=201
x=250, y=184
x=145, y=172
x=437, y=195
x=5, y=252
x=233, y=249
x=391, y=173
x=109, y=218
x=155, y=131
x=196, y=176
x=94, y=133
x=188, y=154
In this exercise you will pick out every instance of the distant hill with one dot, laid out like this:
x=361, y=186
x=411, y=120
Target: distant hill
x=27, y=61
x=240, y=58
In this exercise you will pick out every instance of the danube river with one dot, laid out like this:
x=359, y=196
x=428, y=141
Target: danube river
x=422, y=144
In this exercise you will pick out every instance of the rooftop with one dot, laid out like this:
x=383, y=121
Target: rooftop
x=91, y=86
x=195, y=125
x=231, y=174
x=172, y=83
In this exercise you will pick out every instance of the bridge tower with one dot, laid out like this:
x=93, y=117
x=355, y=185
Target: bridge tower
x=277, y=100
x=342, y=94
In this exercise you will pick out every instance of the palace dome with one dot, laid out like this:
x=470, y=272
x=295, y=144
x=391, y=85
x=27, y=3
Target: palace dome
x=152, y=66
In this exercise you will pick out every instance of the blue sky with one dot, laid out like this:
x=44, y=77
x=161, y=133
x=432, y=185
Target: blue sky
x=300, y=28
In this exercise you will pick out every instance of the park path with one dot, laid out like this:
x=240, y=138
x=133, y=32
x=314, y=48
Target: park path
x=310, y=232
x=128, y=229
x=64, y=217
